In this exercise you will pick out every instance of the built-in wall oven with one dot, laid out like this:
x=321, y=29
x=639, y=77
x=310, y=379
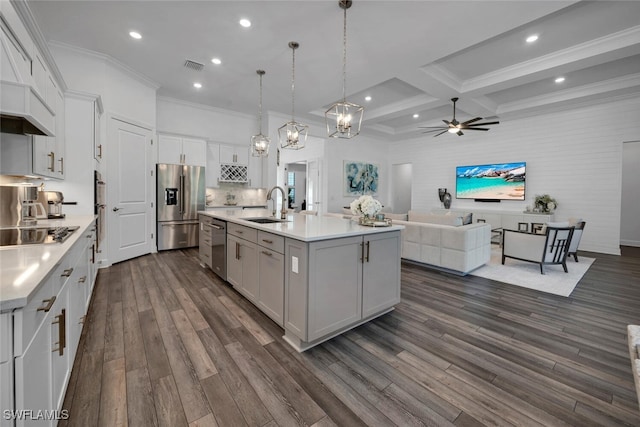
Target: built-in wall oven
x=100, y=200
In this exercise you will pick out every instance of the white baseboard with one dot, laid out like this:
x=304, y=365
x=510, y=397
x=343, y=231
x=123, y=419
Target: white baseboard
x=635, y=243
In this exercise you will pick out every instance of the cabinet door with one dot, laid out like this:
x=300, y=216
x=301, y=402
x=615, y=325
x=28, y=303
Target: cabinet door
x=335, y=285
x=381, y=272
x=212, y=170
x=255, y=171
x=271, y=292
x=78, y=285
x=169, y=149
x=234, y=263
x=33, y=379
x=6, y=366
x=59, y=139
x=59, y=349
x=194, y=152
x=242, y=154
x=227, y=154
x=97, y=141
x=250, y=279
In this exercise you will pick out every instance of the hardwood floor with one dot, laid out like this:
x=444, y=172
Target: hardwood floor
x=169, y=344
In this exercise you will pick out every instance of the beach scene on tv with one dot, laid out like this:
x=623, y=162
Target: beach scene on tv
x=503, y=181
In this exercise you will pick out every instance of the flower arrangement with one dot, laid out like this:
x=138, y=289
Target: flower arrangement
x=365, y=205
x=545, y=203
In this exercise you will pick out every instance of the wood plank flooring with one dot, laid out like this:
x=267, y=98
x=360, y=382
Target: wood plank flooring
x=167, y=343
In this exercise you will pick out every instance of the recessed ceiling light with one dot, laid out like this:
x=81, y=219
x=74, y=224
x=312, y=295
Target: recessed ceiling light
x=245, y=22
x=197, y=85
x=415, y=116
x=135, y=35
x=559, y=80
x=216, y=61
x=532, y=38
x=367, y=98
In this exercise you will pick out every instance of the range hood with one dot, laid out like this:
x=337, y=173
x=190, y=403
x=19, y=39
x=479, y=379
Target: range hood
x=22, y=109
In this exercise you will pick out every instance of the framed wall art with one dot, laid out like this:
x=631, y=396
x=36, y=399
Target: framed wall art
x=360, y=178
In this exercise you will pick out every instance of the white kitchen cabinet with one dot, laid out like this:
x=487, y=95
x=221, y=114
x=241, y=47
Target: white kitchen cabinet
x=46, y=333
x=331, y=285
x=6, y=366
x=98, y=109
x=271, y=275
x=49, y=151
x=242, y=260
x=236, y=154
x=213, y=164
x=255, y=171
x=182, y=151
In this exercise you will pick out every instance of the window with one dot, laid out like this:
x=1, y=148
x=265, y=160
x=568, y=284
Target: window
x=291, y=179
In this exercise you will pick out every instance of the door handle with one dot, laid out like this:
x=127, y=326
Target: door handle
x=237, y=250
x=61, y=160
x=367, y=257
x=116, y=209
x=52, y=167
x=61, y=320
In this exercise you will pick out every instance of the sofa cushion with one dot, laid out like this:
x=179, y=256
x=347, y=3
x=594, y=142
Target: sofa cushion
x=446, y=219
x=467, y=218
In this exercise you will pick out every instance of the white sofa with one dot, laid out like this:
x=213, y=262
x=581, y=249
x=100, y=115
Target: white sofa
x=442, y=241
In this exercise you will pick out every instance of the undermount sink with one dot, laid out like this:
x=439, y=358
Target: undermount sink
x=265, y=220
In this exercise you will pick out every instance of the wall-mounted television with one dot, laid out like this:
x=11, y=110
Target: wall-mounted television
x=494, y=182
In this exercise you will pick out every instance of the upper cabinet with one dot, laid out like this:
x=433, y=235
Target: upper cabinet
x=182, y=151
x=235, y=154
x=98, y=149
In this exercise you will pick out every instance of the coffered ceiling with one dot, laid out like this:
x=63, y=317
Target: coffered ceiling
x=411, y=57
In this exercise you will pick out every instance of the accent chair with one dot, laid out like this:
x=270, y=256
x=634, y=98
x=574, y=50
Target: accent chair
x=550, y=248
x=575, y=240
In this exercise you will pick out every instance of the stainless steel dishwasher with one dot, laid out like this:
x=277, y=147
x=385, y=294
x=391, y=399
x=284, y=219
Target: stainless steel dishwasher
x=218, y=247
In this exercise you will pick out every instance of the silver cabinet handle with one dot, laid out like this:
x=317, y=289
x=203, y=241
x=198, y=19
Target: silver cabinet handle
x=115, y=209
x=267, y=253
x=61, y=160
x=52, y=168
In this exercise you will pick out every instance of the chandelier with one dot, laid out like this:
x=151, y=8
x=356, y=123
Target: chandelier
x=293, y=135
x=259, y=142
x=344, y=118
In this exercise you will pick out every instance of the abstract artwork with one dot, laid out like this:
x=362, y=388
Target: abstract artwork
x=360, y=178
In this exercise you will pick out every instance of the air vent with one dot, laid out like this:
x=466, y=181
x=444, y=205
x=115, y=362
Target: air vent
x=193, y=65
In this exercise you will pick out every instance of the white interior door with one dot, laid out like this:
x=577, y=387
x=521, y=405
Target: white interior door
x=129, y=184
x=314, y=186
x=401, y=179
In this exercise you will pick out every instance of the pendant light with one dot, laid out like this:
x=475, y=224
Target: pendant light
x=292, y=134
x=259, y=142
x=344, y=118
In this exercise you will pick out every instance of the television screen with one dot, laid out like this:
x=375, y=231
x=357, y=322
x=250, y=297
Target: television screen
x=499, y=181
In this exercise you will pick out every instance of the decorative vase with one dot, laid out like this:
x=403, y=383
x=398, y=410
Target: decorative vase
x=441, y=193
x=446, y=199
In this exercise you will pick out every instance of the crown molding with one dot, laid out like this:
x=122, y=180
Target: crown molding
x=24, y=12
x=108, y=60
x=600, y=46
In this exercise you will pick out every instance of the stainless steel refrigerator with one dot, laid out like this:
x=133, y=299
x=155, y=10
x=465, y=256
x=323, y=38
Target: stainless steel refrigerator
x=180, y=195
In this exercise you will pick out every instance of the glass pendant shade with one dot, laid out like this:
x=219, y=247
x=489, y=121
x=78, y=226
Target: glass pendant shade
x=293, y=135
x=260, y=143
x=343, y=118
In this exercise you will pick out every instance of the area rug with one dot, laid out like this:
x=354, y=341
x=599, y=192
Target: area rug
x=527, y=275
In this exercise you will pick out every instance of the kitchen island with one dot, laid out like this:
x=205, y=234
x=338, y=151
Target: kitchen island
x=316, y=276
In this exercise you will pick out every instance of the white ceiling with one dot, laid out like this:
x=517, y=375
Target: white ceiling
x=409, y=56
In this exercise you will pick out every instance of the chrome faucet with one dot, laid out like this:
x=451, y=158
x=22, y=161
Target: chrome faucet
x=283, y=211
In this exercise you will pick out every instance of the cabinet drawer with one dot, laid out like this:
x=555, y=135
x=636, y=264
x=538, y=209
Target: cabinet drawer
x=28, y=319
x=271, y=241
x=205, y=239
x=246, y=233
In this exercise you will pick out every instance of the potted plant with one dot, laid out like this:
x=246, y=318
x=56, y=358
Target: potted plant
x=545, y=203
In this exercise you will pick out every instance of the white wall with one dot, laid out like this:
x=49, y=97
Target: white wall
x=575, y=156
x=630, y=215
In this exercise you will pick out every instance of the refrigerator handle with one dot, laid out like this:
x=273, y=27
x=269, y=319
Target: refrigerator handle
x=181, y=208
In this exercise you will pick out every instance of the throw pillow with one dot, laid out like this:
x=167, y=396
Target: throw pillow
x=467, y=219
x=553, y=224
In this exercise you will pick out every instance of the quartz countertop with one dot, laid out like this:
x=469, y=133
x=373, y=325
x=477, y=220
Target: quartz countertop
x=307, y=228
x=25, y=267
x=214, y=206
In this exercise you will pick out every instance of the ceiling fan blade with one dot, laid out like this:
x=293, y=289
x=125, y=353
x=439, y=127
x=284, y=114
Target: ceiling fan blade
x=476, y=128
x=432, y=127
x=471, y=121
x=484, y=124
x=459, y=133
x=446, y=122
x=434, y=130
x=438, y=134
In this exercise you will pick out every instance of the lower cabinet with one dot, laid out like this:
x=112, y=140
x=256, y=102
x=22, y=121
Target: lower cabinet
x=242, y=266
x=45, y=335
x=255, y=267
x=332, y=285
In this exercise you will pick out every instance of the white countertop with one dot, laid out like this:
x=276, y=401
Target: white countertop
x=239, y=206
x=25, y=267
x=307, y=228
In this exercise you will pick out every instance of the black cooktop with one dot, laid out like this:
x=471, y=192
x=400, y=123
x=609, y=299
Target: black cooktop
x=34, y=235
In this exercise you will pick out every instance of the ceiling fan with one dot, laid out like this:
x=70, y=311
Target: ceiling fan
x=454, y=126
